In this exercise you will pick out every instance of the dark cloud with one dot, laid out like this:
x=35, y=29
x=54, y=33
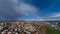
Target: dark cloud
x=7, y=11
x=11, y=10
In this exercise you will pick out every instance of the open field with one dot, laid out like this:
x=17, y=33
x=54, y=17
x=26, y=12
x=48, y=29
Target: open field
x=52, y=31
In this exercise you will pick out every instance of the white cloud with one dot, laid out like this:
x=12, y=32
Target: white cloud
x=14, y=8
x=26, y=9
x=23, y=8
x=54, y=17
x=57, y=14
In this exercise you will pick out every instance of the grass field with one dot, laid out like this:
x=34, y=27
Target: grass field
x=52, y=31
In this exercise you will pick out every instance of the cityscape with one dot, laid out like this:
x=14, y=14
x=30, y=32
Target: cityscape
x=27, y=27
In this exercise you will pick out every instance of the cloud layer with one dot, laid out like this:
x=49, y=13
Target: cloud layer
x=57, y=14
x=25, y=9
x=54, y=17
x=11, y=10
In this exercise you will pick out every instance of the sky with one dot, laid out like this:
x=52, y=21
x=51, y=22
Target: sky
x=29, y=10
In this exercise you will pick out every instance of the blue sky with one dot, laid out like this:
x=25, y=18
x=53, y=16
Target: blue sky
x=29, y=10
